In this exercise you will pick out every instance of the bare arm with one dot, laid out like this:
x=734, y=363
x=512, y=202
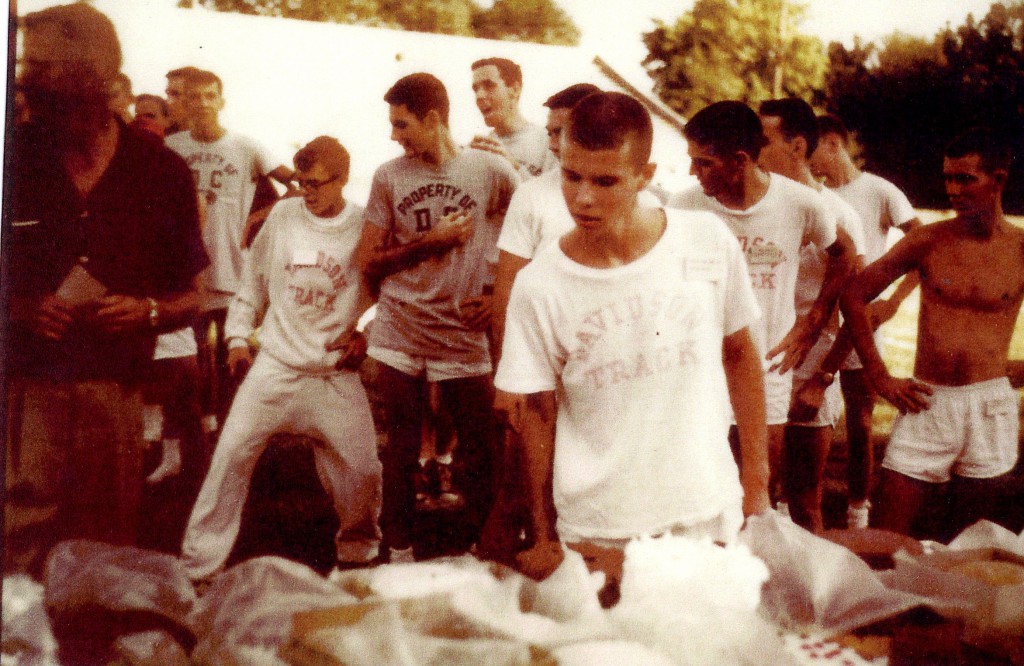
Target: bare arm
x=378, y=262
x=883, y=310
x=905, y=256
x=746, y=394
x=509, y=266
x=805, y=332
x=284, y=175
x=535, y=423
x=118, y=313
x=1015, y=371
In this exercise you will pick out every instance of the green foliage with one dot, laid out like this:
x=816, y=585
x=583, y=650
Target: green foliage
x=747, y=50
x=517, y=20
x=908, y=97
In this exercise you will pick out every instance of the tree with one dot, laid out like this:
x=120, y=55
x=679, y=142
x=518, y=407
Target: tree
x=747, y=50
x=539, y=21
x=518, y=20
x=907, y=98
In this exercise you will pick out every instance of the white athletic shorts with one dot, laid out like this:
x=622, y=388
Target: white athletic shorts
x=832, y=403
x=971, y=431
x=723, y=528
x=778, y=391
x=436, y=369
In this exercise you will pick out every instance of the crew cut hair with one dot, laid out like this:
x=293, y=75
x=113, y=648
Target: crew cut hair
x=328, y=153
x=420, y=93
x=605, y=120
x=726, y=128
x=797, y=119
x=510, y=72
x=569, y=97
x=830, y=123
x=992, y=147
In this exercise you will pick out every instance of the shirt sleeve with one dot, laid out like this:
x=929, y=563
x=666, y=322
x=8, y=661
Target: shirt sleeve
x=819, y=221
x=898, y=206
x=504, y=182
x=519, y=230
x=249, y=303
x=529, y=360
x=379, y=210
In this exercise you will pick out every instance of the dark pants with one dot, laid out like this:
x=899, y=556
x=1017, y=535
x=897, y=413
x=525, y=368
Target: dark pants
x=402, y=400
x=217, y=387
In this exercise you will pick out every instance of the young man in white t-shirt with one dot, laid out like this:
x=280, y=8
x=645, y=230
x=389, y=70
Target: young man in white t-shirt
x=631, y=315
x=301, y=288
x=497, y=85
x=773, y=217
x=882, y=208
x=225, y=166
x=791, y=130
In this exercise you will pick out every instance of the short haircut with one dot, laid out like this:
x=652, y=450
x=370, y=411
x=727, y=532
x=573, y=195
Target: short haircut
x=328, y=153
x=993, y=148
x=183, y=72
x=606, y=120
x=727, y=128
x=797, y=118
x=146, y=97
x=509, y=71
x=830, y=123
x=420, y=93
x=201, y=77
x=86, y=29
x=569, y=97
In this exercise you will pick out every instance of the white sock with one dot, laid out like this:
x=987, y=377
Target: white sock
x=170, y=461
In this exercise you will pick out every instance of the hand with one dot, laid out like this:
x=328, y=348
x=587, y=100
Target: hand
x=808, y=399
x=453, y=229
x=794, y=346
x=541, y=560
x=881, y=312
x=352, y=345
x=119, y=314
x=907, y=395
x=51, y=318
x=490, y=145
x=239, y=360
x=476, y=312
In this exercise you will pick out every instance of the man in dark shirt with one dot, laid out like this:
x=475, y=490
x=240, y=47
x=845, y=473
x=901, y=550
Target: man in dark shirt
x=104, y=251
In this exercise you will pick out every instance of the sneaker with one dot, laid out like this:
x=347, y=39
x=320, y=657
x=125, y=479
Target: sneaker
x=401, y=555
x=857, y=515
x=447, y=496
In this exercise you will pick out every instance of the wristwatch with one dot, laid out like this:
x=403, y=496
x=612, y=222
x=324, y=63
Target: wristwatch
x=154, y=312
x=827, y=377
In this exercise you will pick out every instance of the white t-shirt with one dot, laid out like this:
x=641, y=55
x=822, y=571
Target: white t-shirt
x=538, y=215
x=881, y=206
x=771, y=233
x=529, y=147
x=635, y=355
x=225, y=173
x=300, y=280
x=813, y=262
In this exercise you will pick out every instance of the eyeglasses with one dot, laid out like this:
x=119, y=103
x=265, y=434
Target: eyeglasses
x=312, y=185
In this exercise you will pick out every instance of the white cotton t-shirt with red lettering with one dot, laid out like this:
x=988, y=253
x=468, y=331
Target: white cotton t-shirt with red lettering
x=418, y=309
x=538, y=215
x=225, y=173
x=635, y=355
x=299, y=279
x=528, y=145
x=881, y=206
x=771, y=233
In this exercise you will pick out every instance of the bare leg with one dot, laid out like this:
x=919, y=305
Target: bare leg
x=900, y=499
x=859, y=407
x=805, y=455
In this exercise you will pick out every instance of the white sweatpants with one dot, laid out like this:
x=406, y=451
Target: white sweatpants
x=276, y=399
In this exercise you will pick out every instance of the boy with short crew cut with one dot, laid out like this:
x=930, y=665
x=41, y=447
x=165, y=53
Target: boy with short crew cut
x=633, y=313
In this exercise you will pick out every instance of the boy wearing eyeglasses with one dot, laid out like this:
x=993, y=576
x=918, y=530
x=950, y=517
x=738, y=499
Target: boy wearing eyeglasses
x=300, y=286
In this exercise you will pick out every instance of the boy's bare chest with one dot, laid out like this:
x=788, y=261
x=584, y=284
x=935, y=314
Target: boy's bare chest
x=981, y=276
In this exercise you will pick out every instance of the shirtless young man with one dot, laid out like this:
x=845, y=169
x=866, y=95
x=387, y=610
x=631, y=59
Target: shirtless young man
x=631, y=314
x=960, y=414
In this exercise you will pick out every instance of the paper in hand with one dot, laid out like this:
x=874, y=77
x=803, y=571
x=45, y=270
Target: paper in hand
x=80, y=288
